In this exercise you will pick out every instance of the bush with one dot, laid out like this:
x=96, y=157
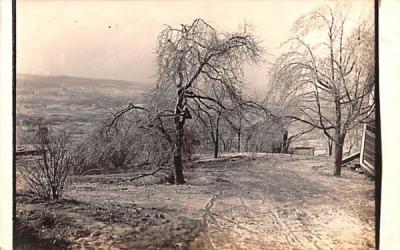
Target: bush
x=47, y=177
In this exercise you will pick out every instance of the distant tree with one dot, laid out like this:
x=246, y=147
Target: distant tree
x=236, y=120
x=328, y=80
x=210, y=117
x=209, y=121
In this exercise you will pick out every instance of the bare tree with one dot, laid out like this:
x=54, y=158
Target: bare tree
x=192, y=59
x=329, y=80
x=48, y=176
x=236, y=122
x=119, y=147
x=210, y=116
x=140, y=138
x=209, y=122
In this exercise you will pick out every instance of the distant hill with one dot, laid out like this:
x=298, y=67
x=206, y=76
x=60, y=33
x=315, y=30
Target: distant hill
x=27, y=81
x=65, y=100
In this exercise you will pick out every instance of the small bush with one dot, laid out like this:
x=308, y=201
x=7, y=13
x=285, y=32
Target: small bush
x=47, y=177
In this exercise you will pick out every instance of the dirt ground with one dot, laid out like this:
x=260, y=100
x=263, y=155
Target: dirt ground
x=262, y=201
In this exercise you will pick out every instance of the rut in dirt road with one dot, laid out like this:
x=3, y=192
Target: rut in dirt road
x=208, y=216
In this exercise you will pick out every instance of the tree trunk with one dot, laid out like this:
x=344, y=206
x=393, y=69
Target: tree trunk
x=339, y=136
x=179, y=121
x=339, y=142
x=179, y=178
x=285, y=143
x=238, y=140
x=54, y=192
x=216, y=142
x=216, y=148
x=223, y=144
x=330, y=144
x=239, y=132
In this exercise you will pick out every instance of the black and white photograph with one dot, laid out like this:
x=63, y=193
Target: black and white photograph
x=196, y=125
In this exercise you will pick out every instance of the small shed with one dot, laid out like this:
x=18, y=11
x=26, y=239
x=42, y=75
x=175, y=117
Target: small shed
x=303, y=150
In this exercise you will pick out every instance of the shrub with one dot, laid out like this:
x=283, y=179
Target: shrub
x=47, y=177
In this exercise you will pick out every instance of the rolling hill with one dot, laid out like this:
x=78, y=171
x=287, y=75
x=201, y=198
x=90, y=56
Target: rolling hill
x=63, y=100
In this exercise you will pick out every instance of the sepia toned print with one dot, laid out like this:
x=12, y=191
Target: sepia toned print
x=195, y=125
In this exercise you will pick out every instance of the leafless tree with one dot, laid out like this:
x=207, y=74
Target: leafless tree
x=117, y=148
x=209, y=120
x=236, y=121
x=210, y=117
x=328, y=80
x=138, y=139
x=190, y=59
x=48, y=176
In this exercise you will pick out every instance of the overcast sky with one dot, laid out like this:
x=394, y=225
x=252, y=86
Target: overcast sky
x=116, y=39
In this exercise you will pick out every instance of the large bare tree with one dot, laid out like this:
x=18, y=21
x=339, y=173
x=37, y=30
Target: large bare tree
x=195, y=57
x=327, y=75
x=192, y=60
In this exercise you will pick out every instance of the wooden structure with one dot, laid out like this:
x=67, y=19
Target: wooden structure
x=350, y=158
x=303, y=150
x=26, y=149
x=27, y=152
x=367, y=156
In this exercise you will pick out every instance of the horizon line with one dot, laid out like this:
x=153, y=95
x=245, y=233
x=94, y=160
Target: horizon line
x=80, y=77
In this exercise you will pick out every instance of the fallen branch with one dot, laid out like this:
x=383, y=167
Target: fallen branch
x=147, y=174
x=90, y=170
x=220, y=159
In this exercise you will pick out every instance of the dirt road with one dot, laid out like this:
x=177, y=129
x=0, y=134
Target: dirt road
x=258, y=202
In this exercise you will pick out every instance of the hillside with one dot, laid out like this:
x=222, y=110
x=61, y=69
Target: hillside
x=63, y=100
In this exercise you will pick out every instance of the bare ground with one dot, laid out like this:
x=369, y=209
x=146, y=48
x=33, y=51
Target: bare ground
x=262, y=201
